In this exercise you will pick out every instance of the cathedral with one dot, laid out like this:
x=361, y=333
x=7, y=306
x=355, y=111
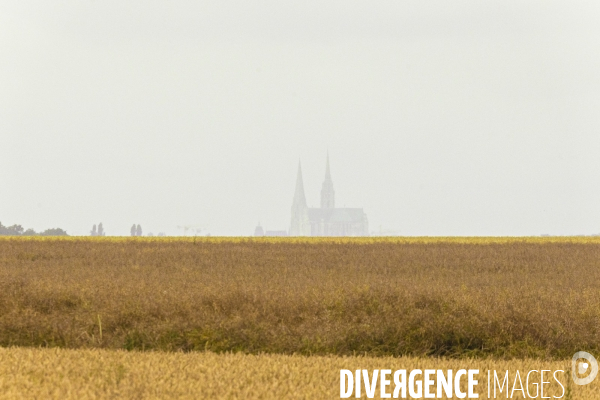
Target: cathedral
x=325, y=220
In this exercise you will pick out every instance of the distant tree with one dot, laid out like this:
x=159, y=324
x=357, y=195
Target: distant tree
x=94, y=232
x=15, y=230
x=54, y=232
x=133, y=230
x=101, y=230
x=138, y=230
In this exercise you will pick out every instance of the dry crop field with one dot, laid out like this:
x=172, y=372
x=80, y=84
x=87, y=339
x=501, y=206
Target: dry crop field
x=100, y=374
x=492, y=300
x=453, y=298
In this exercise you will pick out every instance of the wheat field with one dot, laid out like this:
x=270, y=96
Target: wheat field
x=278, y=318
x=117, y=374
x=462, y=297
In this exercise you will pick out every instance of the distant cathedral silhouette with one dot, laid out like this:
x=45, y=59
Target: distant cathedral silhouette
x=326, y=220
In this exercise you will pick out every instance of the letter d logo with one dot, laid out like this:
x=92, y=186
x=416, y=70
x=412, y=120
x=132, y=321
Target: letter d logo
x=583, y=367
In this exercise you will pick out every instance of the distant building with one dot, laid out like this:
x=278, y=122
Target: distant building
x=276, y=233
x=325, y=220
x=258, y=231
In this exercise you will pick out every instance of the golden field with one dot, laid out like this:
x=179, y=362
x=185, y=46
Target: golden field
x=111, y=374
x=450, y=297
x=330, y=240
x=279, y=317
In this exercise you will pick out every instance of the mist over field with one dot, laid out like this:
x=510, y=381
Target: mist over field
x=440, y=118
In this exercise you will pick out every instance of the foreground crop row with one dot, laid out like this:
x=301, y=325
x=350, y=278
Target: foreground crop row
x=79, y=374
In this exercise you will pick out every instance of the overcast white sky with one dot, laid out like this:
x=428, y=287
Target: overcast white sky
x=441, y=117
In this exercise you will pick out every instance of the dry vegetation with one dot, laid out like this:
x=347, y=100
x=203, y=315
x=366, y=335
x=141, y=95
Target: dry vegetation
x=455, y=298
x=92, y=374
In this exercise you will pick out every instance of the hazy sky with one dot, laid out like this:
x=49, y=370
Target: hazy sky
x=440, y=117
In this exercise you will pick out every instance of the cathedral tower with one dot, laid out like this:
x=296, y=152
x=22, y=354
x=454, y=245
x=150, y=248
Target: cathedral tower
x=300, y=225
x=327, y=192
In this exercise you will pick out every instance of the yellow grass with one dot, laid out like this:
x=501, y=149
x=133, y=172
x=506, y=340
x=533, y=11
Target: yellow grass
x=103, y=374
x=310, y=296
x=486, y=303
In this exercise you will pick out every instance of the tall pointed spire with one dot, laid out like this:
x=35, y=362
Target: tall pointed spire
x=299, y=197
x=327, y=192
x=300, y=224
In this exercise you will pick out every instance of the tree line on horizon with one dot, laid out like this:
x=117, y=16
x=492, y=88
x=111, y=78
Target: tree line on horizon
x=136, y=230
x=18, y=230
x=97, y=230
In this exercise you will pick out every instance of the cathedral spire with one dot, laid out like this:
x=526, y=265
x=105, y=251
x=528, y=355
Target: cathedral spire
x=299, y=197
x=327, y=192
x=300, y=224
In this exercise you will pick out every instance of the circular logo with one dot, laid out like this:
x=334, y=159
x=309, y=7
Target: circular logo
x=583, y=367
